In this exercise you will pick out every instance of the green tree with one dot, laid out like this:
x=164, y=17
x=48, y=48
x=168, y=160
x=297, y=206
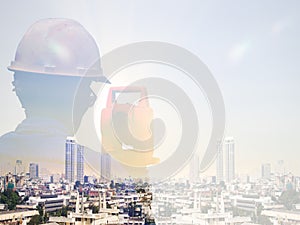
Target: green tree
x=264, y=220
x=95, y=209
x=11, y=198
x=289, y=197
x=42, y=214
x=25, y=199
x=35, y=220
x=60, y=212
x=64, y=211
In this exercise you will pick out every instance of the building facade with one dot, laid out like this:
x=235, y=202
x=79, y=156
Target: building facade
x=229, y=159
x=194, y=168
x=220, y=162
x=105, y=166
x=33, y=170
x=266, y=171
x=74, y=162
x=80, y=164
x=70, y=160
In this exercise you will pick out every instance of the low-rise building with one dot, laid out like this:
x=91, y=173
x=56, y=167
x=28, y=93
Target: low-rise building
x=17, y=216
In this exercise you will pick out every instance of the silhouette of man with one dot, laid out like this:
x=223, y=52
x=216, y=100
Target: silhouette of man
x=56, y=61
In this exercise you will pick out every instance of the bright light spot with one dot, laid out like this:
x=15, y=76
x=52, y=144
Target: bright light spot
x=61, y=51
x=280, y=26
x=238, y=52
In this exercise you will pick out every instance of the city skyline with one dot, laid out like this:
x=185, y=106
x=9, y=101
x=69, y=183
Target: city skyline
x=224, y=165
x=150, y=112
x=252, y=55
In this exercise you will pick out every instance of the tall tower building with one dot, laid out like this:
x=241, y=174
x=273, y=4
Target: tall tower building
x=80, y=163
x=194, y=168
x=19, y=169
x=33, y=170
x=266, y=171
x=229, y=159
x=105, y=166
x=70, y=159
x=220, y=164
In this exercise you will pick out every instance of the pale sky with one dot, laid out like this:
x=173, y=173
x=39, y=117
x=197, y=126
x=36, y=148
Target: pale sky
x=251, y=47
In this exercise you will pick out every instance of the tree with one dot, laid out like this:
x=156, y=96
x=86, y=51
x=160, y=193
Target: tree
x=11, y=198
x=64, y=211
x=95, y=209
x=42, y=214
x=289, y=198
x=35, y=220
x=25, y=199
x=264, y=220
x=112, y=184
x=60, y=212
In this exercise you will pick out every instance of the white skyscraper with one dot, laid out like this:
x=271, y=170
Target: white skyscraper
x=229, y=159
x=105, y=166
x=33, y=170
x=70, y=159
x=266, y=171
x=220, y=162
x=80, y=163
x=194, y=168
x=19, y=169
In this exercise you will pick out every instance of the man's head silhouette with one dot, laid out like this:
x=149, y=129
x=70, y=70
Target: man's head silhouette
x=53, y=60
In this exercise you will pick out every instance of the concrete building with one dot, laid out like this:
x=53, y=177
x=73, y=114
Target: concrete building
x=83, y=216
x=220, y=162
x=17, y=216
x=19, y=169
x=105, y=166
x=73, y=163
x=194, y=168
x=2, y=184
x=80, y=163
x=49, y=203
x=33, y=170
x=279, y=216
x=266, y=171
x=229, y=159
x=70, y=159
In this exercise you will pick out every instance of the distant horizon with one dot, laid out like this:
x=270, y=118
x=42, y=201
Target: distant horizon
x=251, y=49
x=210, y=172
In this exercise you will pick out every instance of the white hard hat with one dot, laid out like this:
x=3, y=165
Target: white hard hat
x=58, y=47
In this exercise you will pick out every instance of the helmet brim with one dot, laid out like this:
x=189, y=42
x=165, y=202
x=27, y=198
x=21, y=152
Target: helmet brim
x=95, y=77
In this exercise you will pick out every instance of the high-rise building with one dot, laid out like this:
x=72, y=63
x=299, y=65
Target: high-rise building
x=229, y=159
x=80, y=163
x=266, y=171
x=33, y=170
x=280, y=168
x=194, y=168
x=220, y=164
x=105, y=166
x=19, y=169
x=70, y=159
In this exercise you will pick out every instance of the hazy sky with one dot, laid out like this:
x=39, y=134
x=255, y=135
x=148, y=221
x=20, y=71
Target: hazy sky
x=251, y=47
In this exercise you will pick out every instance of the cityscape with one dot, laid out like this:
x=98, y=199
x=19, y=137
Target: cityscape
x=73, y=197
x=149, y=112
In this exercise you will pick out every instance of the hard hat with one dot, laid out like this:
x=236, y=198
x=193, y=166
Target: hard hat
x=58, y=47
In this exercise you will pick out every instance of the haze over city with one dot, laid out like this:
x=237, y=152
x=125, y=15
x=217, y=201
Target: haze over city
x=253, y=59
